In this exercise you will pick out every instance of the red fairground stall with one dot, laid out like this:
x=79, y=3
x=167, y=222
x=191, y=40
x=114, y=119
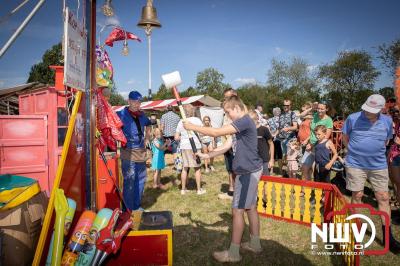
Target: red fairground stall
x=53, y=141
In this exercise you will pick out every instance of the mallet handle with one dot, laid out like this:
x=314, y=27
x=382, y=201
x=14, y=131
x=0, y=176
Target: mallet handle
x=183, y=114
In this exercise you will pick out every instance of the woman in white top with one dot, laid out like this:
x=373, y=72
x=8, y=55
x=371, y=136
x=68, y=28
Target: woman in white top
x=188, y=156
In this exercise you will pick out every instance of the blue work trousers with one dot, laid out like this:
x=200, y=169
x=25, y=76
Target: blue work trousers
x=134, y=180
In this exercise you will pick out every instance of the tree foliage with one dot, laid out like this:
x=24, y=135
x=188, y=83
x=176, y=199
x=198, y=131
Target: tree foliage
x=293, y=80
x=387, y=92
x=253, y=94
x=117, y=99
x=163, y=93
x=390, y=55
x=209, y=81
x=189, y=92
x=41, y=72
x=349, y=80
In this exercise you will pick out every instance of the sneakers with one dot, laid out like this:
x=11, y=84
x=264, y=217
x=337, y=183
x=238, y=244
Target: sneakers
x=201, y=191
x=207, y=170
x=246, y=246
x=212, y=168
x=223, y=256
x=225, y=196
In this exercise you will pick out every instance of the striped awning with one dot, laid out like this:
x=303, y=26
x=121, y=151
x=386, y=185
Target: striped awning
x=198, y=100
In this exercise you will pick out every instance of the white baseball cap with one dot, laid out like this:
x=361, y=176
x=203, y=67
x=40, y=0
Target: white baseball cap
x=374, y=104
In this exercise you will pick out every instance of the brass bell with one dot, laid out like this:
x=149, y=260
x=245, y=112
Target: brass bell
x=149, y=16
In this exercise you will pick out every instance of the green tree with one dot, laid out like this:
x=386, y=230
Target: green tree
x=117, y=99
x=189, y=92
x=293, y=80
x=348, y=80
x=390, y=55
x=387, y=92
x=209, y=81
x=253, y=94
x=277, y=75
x=163, y=93
x=41, y=72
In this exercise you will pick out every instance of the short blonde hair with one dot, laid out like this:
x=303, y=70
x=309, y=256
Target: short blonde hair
x=232, y=102
x=323, y=128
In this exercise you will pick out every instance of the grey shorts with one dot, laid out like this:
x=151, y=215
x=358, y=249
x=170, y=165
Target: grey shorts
x=245, y=194
x=355, y=179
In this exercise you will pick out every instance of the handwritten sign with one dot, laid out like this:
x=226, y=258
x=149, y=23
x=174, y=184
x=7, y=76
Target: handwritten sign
x=75, y=45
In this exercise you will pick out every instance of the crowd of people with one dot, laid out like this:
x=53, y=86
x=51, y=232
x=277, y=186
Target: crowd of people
x=300, y=142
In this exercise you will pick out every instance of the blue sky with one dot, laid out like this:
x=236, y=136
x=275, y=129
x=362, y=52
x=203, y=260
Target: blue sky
x=237, y=37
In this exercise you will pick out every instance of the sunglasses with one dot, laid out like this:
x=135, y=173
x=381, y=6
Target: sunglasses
x=286, y=105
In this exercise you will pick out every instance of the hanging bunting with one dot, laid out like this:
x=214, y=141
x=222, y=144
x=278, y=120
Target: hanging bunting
x=119, y=34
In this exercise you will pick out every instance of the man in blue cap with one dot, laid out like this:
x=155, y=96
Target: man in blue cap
x=133, y=155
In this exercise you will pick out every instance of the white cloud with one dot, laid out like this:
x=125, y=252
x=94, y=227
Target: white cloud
x=102, y=21
x=312, y=68
x=246, y=80
x=131, y=82
x=278, y=50
x=113, y=21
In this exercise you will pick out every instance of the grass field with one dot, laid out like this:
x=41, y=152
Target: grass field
x=202, y=224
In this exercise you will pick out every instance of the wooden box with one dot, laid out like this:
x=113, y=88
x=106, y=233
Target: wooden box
x=151, y=244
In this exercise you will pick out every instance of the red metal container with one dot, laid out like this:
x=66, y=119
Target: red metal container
x=45, y=102
x=23, y=147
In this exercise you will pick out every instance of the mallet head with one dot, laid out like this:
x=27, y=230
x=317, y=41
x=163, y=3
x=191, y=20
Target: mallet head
x=172, y=79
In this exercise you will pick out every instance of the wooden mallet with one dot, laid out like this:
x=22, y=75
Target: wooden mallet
x=171, y=80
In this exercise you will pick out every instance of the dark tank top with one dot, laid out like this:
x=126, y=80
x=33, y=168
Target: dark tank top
x=322, y=153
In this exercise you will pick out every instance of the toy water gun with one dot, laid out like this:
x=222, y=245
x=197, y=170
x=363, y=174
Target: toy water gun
x=67, y=224
x=61, y=208
x=78, y=238
x=111, y=236
x=86, y=255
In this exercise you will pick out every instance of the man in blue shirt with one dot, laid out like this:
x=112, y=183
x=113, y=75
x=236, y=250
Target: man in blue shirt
x=365, y=135
x=133, y=155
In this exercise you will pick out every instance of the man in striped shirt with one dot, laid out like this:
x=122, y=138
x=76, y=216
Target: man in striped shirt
x=169, y=121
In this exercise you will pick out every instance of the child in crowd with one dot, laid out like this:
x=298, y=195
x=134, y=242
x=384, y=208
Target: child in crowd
x=325, y=155
x=247, y=166
x=158, y=148
x=292, y=158
x=265, y=144
x=207, y=144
